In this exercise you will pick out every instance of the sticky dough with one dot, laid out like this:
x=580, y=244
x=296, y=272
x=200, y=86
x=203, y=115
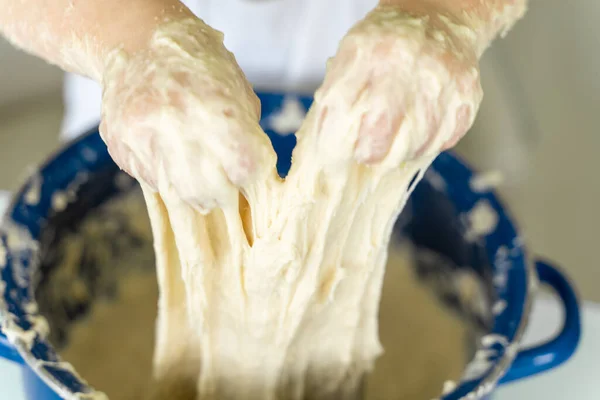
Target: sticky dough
x=111, y=347
x=274, y=293
x=295, y=313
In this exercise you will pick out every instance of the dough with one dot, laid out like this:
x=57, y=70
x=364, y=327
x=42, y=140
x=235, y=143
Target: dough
x=112, y=347
x=275, y=295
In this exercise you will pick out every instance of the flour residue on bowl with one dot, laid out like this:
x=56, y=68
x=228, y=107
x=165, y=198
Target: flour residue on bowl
x=34, y=191
x=481, y=220
x=289, y=118
x=486, y=181
x=62, y=198
x=491, y=347
x=18, y=242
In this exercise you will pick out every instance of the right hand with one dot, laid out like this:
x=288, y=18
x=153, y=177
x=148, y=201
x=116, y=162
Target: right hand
x=180, y=115
x=399, y=81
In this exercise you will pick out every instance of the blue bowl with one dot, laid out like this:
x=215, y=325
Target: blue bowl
x=434, y=219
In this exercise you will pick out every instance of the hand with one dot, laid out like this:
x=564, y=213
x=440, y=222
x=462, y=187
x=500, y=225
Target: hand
x=402, y=86
x=180, y=115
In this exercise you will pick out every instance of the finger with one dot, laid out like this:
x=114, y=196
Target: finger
x=196, y=175
x=242, y=148
x=378, y=128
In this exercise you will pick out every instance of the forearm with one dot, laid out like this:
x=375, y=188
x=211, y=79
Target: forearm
x=487, y=18
x=77, y=35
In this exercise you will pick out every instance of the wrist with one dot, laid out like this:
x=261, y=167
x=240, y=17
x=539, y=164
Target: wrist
x=170, y=39
x=130, y=32
x=491, y=18
x=483, y=20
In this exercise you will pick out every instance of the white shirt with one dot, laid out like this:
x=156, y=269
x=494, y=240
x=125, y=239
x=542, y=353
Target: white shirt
x=282, y=45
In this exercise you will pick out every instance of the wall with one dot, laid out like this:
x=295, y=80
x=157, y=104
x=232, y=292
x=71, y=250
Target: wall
x=23, y=76
x=550, y=151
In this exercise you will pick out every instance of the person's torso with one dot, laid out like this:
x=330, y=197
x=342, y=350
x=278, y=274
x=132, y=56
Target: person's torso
x=282, y=45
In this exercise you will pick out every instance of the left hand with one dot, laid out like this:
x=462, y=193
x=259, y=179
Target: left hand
x=399, y=82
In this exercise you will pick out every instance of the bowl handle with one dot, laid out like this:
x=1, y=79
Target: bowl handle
x=7, y=351
x=553, y=353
